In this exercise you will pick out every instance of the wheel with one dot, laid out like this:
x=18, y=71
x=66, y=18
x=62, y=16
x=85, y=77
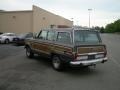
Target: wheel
x=57, y=63
x=29, y=52
x=6, y=41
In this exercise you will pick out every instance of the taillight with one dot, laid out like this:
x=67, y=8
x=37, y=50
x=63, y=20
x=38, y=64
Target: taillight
x=105, y=54
x=75, y=56
x=80, y=57
x=105, y=51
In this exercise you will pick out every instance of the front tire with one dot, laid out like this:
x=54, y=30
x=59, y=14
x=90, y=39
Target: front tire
x=6, y=41
x=29, y=52
x=57, y=63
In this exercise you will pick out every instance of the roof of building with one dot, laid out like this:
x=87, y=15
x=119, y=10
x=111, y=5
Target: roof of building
x=3, y=11
x=15, y=11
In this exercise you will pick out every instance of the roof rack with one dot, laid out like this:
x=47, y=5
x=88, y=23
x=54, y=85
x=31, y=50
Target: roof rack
x=72, y=28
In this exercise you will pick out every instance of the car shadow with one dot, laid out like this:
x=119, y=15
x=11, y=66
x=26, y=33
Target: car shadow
x=81, y=71
x=14, y=44
x=68, y=69
x=43, y=60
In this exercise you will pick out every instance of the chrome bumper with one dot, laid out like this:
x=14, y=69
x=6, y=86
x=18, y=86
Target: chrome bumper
x=90, y=62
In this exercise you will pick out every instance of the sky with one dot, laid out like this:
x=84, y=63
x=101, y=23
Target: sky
x=103, y=11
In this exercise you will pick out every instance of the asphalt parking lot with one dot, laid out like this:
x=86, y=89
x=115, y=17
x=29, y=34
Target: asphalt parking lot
x=17, y=72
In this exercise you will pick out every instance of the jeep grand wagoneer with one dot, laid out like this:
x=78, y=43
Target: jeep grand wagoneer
x=76, y=47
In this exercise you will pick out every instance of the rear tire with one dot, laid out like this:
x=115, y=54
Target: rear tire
x=29, y=52
x=57, y=63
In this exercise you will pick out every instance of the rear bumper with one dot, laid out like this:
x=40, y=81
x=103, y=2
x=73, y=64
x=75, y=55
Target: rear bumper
x=90, y=62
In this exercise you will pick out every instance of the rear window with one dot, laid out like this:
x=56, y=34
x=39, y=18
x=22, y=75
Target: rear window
x=86, y=36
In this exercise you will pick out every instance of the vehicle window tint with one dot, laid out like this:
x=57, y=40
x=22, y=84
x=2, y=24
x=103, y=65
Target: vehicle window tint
x=86, y=36
x=7, y=35
x=29, y=35
x=43, y=35
x=91, y=37
x=51, y=35
x=10, y=35
x=63, y=37
x=79, y=37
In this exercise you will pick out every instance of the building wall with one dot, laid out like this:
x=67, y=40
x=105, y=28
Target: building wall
x=16, y=21
x=30, y=21
x=44, y=19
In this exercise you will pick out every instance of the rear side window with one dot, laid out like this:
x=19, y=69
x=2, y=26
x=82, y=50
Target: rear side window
x=51, y=35
x=64, y=37
x=43, y=35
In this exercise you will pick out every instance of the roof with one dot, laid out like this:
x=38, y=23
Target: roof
x=69, y=29
x=15, y=11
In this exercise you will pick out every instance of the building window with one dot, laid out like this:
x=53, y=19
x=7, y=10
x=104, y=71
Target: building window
x=14, y=17
x=43, y=18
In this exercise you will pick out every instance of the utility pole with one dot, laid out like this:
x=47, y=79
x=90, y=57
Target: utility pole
x=72, y=19
x=89, y=10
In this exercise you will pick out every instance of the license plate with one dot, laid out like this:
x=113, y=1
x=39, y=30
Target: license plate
x=91, y=57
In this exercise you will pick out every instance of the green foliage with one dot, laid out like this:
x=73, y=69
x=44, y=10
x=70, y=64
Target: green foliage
x=102, y=30
x=113, y=27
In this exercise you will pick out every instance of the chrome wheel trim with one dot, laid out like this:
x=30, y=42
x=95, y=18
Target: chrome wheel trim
x=56, y=62
x=28, y=52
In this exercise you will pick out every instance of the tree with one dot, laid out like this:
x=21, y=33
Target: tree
x=102, y=30
x=113, y=27
x=117, y=26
